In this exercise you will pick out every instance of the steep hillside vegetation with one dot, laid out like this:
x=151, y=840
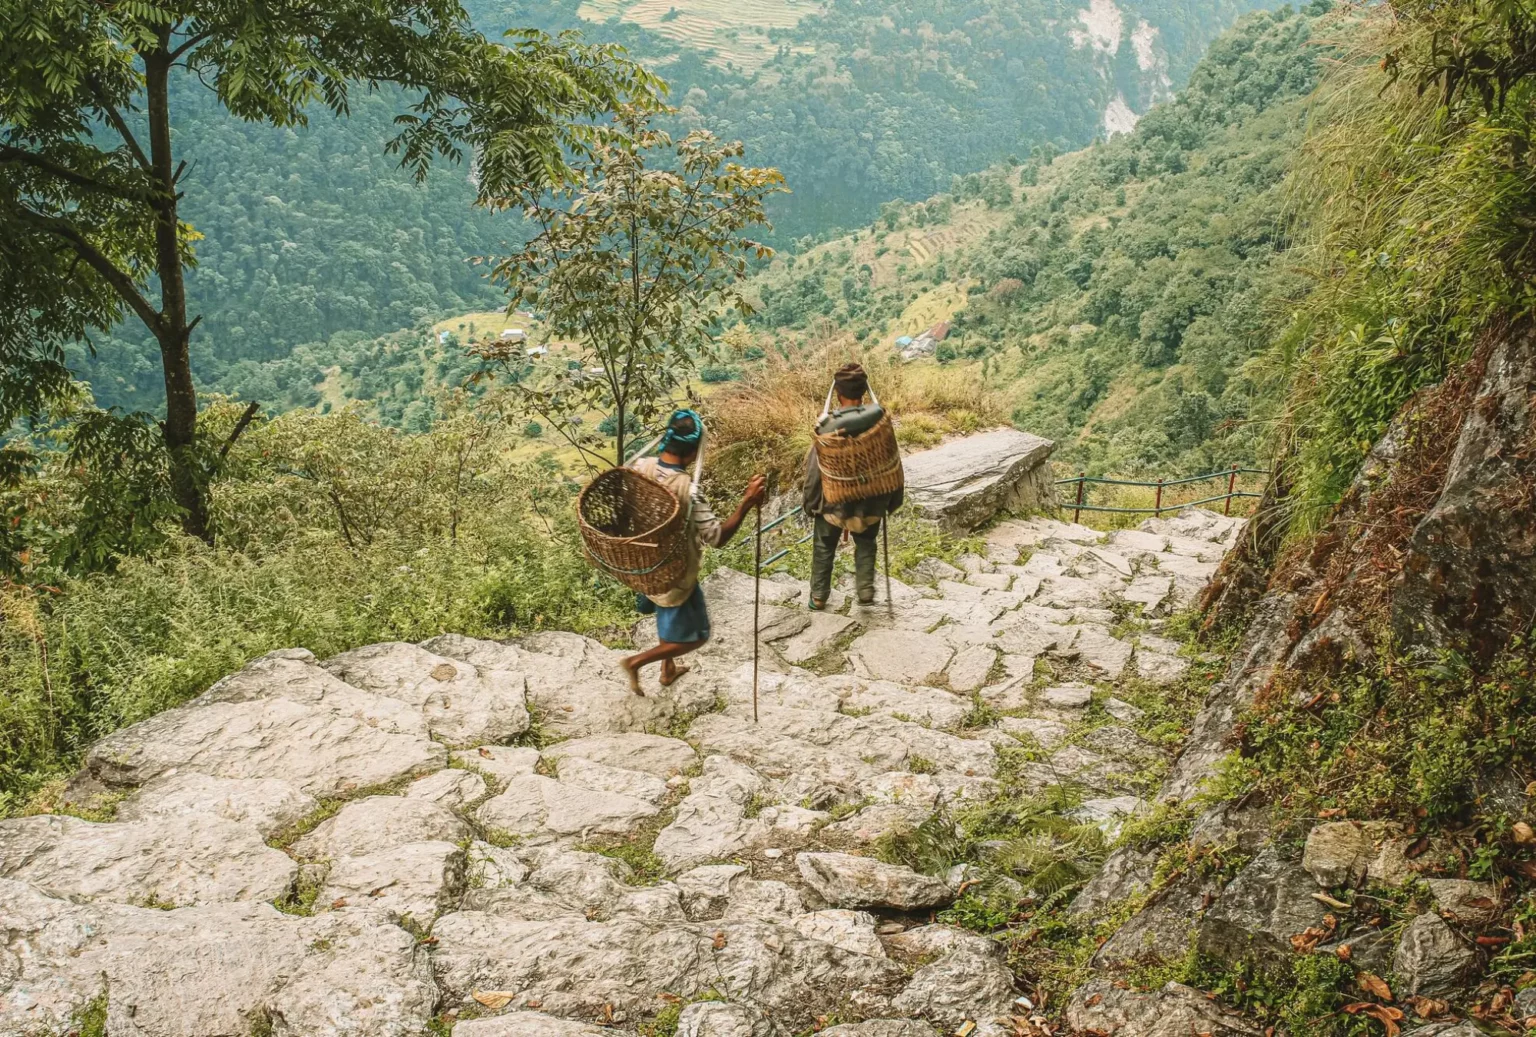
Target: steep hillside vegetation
x=1115, y=296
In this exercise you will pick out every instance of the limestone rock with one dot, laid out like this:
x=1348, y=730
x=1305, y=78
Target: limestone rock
x=634, y=751
x=415, y=881
x=969, y=668
x=1430, y=958
x=1126, y=873
x=1067, y=696
x=450, y=787
x=575, y=969
x=1044, y=733
x=963, y=985
x=537, y=807
x=1337, y=854
x=462, y=704
x=765, y=900
x=822, y=630
x=599, y=777
x=267, y=804
x=184, y=860
x=527, y=1024
x=500, y=763
x=1175, y=1010
x=1259, y=911
x=1472, y=903
x=843, y=880
x=968, y=481
x=713, y=1019
x=899, y=655
x=281, y=717
x=880, y=1028
x=1160, y=668
x=378, y=823
x=328, y=976
x=925, y=943
x=850, y=930
x=707, y=890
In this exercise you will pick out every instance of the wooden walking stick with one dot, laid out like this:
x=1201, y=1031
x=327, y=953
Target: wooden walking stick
x=757, y=579
x=885, y=538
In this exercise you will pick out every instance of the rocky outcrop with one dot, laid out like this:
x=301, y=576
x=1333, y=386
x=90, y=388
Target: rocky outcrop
x=971, y=480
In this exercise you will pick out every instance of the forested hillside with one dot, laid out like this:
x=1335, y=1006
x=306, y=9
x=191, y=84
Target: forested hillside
x=1115, y=297
x=312, y=237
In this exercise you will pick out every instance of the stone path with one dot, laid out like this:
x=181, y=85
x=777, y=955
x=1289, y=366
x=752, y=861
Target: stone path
x=359, y=845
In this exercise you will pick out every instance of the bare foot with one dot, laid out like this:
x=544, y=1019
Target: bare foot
x=634, y=677
x=670, y=672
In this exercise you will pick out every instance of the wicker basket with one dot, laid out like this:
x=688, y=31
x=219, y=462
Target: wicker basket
x=635, y=530
x=858, y=467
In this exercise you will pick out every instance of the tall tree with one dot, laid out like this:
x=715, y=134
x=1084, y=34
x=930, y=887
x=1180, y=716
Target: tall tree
x=90, y=182
x=636, y=259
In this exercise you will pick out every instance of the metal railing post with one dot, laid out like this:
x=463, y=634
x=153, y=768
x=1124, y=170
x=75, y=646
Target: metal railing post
x=1159, y=508
x=1231, y=484
x=1082, y=479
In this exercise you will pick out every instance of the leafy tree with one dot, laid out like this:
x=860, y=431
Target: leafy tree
x=91, y=187
x=636, y=258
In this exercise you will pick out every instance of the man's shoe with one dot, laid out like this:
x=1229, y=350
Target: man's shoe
x=816, y=606
x=867, y=597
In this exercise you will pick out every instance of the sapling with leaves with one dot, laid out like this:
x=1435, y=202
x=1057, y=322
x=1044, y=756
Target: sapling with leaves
x=91, y=183
x=636, y=260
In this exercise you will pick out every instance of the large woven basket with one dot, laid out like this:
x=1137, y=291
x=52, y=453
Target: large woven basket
x=635, y=530
x=855, y=468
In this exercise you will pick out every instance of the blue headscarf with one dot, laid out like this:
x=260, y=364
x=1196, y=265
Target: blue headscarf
x=687, y=441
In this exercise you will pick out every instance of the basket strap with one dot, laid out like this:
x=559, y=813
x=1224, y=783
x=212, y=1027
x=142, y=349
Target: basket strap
x=826, y=408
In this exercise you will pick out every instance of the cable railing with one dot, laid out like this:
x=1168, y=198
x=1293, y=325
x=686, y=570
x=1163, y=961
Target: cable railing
x=1083, y=480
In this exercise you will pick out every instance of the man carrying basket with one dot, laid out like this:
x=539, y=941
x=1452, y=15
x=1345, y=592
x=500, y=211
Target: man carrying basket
x=860, y=505
x=682, y=619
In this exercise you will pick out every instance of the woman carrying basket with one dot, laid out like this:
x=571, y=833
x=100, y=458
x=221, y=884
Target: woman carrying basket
x=860, y=517
x=682, y=619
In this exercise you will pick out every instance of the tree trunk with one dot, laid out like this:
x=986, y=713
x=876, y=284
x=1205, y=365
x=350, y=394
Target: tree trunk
x=174, y=332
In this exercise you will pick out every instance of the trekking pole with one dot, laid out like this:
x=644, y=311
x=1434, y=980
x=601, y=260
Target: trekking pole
x=885, y=537
x=757, y=579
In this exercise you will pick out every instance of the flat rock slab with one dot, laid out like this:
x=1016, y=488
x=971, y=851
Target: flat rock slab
x=379, y=823
x=186, y=860
x=306, y=743
x=500, y=763
x=821, y=632
x=968, y=481
x=844, y=880
x=527, y=1024
x=327, y=976
x=414, y=881
x=899, y=655
x=651, y=754
x=850, y=930
x=268, y=805
x=536, y=807
x=462, y=704
x=574, y=969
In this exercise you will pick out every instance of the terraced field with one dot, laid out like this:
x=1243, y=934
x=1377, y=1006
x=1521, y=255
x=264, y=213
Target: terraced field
x=735, y=30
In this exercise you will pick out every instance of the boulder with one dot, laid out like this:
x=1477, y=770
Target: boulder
x=1337, y=854
x=1471, y=903
x=180, y=860
x=843, y=880
x=966, y=482
x=1259, y=911
x=1430, y=958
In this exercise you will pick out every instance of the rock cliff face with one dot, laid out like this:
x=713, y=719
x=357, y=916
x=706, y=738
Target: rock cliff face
x=501, y=836
x=1432, y=551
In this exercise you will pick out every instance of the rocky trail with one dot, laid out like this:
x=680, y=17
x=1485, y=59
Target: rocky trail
x=500, y=839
